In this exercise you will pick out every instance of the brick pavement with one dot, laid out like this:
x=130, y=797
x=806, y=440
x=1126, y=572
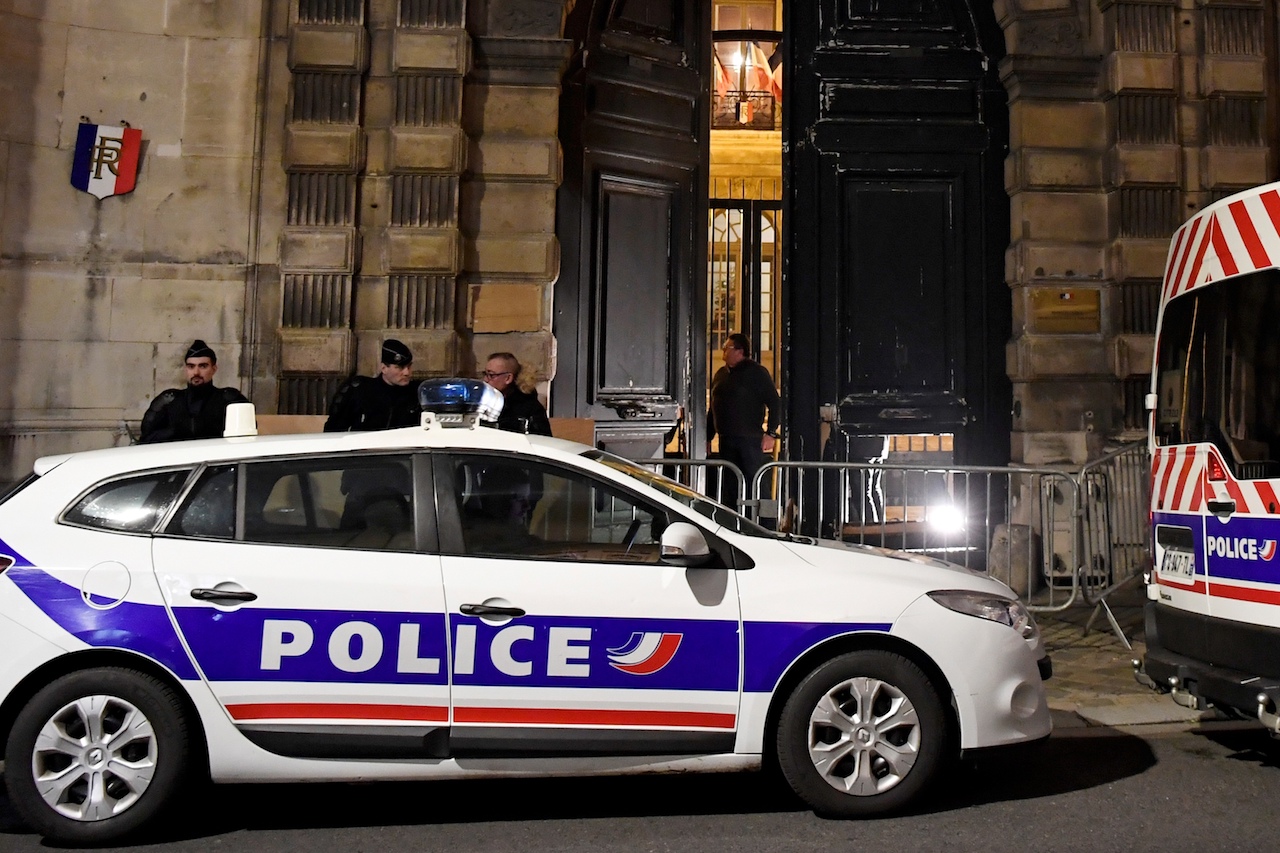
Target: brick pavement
x=1093, y=682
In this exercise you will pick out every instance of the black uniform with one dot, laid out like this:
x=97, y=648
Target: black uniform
x=523, y=412
x=366, y=403
x=197, y=411
x=741, y=397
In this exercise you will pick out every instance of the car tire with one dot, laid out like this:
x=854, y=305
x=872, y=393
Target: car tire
x=96, y=755
x=863, y=734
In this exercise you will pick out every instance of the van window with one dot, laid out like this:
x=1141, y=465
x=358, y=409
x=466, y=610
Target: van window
x=1219, y=372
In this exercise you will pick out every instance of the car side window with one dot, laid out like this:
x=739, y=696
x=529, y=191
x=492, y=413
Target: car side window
x=128, y=505
x=521, y=508
x=209, y=512
x=362, y=502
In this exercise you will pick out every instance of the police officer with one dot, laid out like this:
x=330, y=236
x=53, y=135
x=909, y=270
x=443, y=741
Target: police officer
x=385, y=401
x=743, y=397
x=197, y=411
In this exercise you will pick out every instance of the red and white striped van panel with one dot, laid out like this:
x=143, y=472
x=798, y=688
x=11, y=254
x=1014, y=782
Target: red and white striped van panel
x=1237, y=235
x=1178, y=485
x=1177, y=481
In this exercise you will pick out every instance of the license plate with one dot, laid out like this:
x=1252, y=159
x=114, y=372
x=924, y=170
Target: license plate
x=1177, y=563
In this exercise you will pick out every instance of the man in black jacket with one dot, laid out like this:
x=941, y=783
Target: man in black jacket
x=197, y=411
x=742, y=395
x=386, y=401
x=521, y=410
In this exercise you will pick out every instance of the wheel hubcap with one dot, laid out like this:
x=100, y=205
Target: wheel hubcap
x=864, y=736
x=94, y=758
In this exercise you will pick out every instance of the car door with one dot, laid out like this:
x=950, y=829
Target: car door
x=303, y=592
x=569, y=636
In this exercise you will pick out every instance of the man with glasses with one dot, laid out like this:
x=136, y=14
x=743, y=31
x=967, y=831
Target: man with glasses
x=743, y=396
x=521, y=409
x=385, y=401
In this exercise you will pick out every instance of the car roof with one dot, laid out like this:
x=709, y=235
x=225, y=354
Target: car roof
x=180, y=453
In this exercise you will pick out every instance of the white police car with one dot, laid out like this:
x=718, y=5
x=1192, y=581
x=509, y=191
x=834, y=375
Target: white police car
x=428, y=602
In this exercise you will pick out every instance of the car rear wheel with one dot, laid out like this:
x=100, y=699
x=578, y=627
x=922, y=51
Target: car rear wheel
x=863, y=734
x=96, y=754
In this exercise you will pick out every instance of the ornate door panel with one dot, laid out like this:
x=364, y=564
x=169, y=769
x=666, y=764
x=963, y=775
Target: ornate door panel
x=634, y=128
x=896, y=132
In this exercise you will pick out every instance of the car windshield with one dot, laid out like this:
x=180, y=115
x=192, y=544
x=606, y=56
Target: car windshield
x=701, y=504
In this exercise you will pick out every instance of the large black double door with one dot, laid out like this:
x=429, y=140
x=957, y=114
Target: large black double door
x=896, y=132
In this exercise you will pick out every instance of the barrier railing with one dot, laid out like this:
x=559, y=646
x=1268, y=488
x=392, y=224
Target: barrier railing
x=1018, y=524
x=1056, y=537
x=1115, y=522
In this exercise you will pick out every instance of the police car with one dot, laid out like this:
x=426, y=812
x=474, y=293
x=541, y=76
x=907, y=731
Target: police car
x=438, y=602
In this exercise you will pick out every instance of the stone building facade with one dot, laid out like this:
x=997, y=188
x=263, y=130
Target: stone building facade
x=319, y=174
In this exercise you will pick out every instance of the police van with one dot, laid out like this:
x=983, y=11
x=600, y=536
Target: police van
x=1213, y=618
x=455, y=601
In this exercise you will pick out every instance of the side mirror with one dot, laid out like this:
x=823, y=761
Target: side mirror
x=684, y=545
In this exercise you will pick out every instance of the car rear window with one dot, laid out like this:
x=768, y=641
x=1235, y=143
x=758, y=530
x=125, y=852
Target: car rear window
x=131, y=504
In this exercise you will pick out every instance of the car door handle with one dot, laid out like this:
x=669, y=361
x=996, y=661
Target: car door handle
x=201, y=594
x=490, y=610
x=1221, y=506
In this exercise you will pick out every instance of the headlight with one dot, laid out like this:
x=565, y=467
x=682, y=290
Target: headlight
x=1006, y=611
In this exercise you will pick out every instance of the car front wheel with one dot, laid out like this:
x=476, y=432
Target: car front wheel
x=96, y=754
x=863, y=734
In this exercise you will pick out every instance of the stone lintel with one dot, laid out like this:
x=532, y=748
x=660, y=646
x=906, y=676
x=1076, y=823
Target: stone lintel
x=1058, y=356
x=318, y=249
x=429, y=250
x=525, y=256
x=1058, y=124
x=1224, y=166
x=441, y=52
x=1051, y=77
x=315, y=350
x=328, y=48
x=514, y=60
x=1133, y=355
x=427, y=149
x=1139, y=258
x=1142, y=72
x=497, y=307
x=1145, y=165
x=1055, y=262
x=1040, y=168
x=323, y=148
x=1068, y=217
x=515, y=158
x=1234, y=75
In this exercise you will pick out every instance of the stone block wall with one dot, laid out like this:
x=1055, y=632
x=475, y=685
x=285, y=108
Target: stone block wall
x=99, y=299
x=1127, y=116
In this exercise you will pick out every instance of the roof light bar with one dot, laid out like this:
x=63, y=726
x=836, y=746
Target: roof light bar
x=458, y=403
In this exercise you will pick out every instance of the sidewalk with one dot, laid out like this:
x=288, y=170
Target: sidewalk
x=1093, y=684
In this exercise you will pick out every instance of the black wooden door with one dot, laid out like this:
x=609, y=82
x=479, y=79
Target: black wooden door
x=634, y=128
x=896, y=132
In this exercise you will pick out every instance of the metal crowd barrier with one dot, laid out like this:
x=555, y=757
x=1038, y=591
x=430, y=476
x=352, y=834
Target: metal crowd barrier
x=1056, y=537
x=1017, y=524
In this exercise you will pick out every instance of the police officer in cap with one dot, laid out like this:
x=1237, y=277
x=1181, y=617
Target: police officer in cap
x=385, y=401
x=197, y=411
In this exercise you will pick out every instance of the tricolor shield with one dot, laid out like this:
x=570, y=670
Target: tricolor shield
x=106, y=161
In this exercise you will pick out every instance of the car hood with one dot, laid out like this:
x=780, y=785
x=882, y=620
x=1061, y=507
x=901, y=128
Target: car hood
x=929, y=572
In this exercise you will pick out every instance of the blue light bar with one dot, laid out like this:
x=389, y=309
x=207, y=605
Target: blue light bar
x=459, y=397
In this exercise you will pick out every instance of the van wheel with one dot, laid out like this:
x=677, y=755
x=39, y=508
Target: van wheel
x=863, y=734
x=96, y=754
